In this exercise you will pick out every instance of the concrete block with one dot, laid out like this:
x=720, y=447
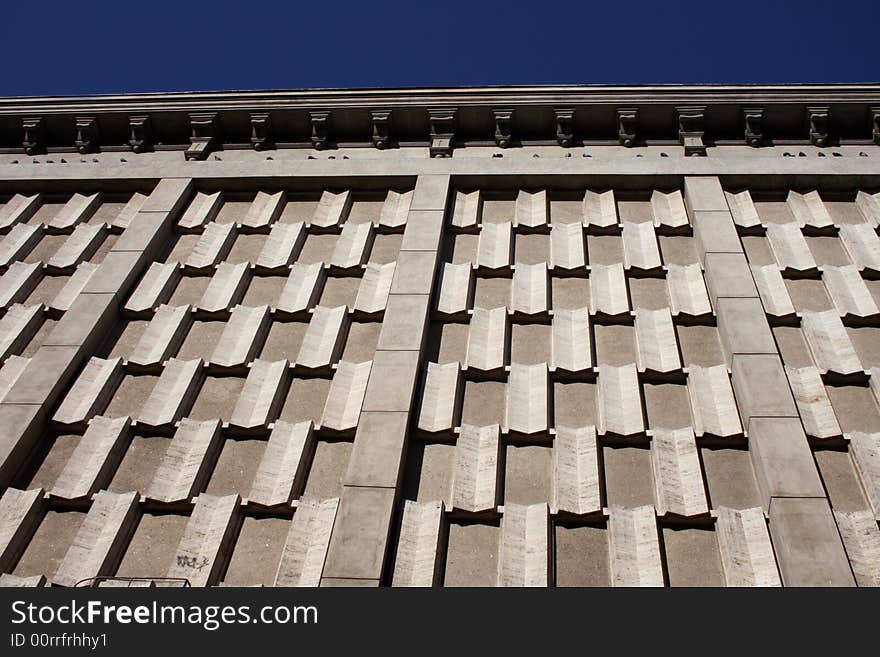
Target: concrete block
x=745, y=215
x=669, y=210
x=305, y=549
x=360, y=536
x=209, y=534
x=715, y=232
x=743, y=327
x=728, y=275
x=346, y=396
x=467, y=209
x=392, y=381
x=634, y=544
x=567, y=246
x=169, y=195
x=378, y=453
x=712, y=401
x=424, y=229
x=117, y=273
x=148, y=232
x=22, y=428
x=414, y=273
x=576, y=483
x=761, y=387
x=640, y=250
x=375, y=286
x=45, y=376
x=702, y=193
x=395, y=209
x=431, y=192
x=530, y=292
x=87, y=322
x=282, y=472
x=807, y=543
x=783, y=461
x=419, y=546
x=746, y=551
x=861, y=537
x=532, y=209
x=571, y=340
x=599, y=209
x=678, y=477
x=687, y=291
x=525, y=539
x=94, y=460
x=20, y=513
x=73, y=287
x=440, y=397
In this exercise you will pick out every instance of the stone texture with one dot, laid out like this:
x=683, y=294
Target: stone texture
x=467, y=209
x=608, y=295
x=774, y=294
x=655, y=340
x=761, y=387
x=678, y=476
x=475, y=476
x=576, y=472
x=863, y=246
x=186, y=466
x=241, y=337
x=455, y=288
x=743, y=209
x=343, y=407
x=571, y=340
x=865, y=450
x=91, y=392
x=324, y=339
x=495, y=246
x=20, y=512
x=487, y=339
x=265, y=210
x=332, y=210
x=281, y=474
x=202, y=551
x=668, y=209
x=78, y=209
x=619, y=401
x=527, y=403
x=302, y=559
x=302, y=288
x=849, y=293
x=746, y=551
x=439, y=397
x=640, y=249
x=202, y=209
x=357, y=545
x=634, y=547
x=19, y=209
x=784, y=465
x=687, y=291
x=812, y=402
x=807, y=543
x=95, y=458
x=418, y=547
x=790, y=248
x=861, y=538
x=829, y=343
x=525, y=538
x=173, y=394
x=261, y=398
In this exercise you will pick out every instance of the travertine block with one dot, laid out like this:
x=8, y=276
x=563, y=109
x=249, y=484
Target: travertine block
x=78, y=247
x=20, y=512
x=861, y=538
x=868, y=204
x=571, y=340
x=865, y=450
x=640, y=249
x=303, y=287
x=456, y=284
x=687, y=291
x=418, y=548
x=525, y=539
x=849, y=293
x=332, y=210
x=655, y=339
x=262, y=396
x=812, y=402
x=874, y=382
x=440, y=397
x=678, y=477
x=467, y=210
x=9, y=373
x=163, y=335
x=265, y=210
x=212, y=247
x=19, y=209
x=863, y=246
x=173, y=394
x=784, y=465
x=790, y=248
x=95, y=458
x=746, y=551
x=475, y=478
x=226, y=288
x=771, y=288
x=305, y=550
x=202, y=210
x=487, y=339
x=18, y=242
x=527, y=403
x=353, y=246
x=282, y=247
x=242, y=337
x=761, y=387
x=18, y=282
x=809, y=211
x=532, y=209
x=78, y=209
x=829, y=343
x=608, y=294
x=495, y=246
x=745, y=215
x=530, y=289
x=635, y=547
x=324, y=338
x=186, y=466
x=281, y=475
x=8, y=580
x=395, y=209
x=576, y=483
x=101, y=539
x=91, y=392
x=129, y=211
x=599, y=209
x=567, y=246
x=155, y=288
x=669, y=210
x=619, y=401
x=17, y=327
x=346, y=396
x=375, y=286
x=204, y=547
x=807, y=543
x=74, y=285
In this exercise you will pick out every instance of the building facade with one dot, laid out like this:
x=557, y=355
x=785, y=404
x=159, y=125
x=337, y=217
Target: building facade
x=543, y=336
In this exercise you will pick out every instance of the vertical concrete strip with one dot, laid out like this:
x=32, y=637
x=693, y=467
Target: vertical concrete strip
x=358, y=546
x=802, y=527
x=85, y=324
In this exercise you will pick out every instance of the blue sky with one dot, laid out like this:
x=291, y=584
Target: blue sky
x=122, y=46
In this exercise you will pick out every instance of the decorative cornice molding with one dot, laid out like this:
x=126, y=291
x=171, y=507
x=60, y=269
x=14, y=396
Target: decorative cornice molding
x=627, y=125
x=875, y=124
x=87, y=134
x=204, y=134
x=565, y=127
x=818, y=117
x=691, y=130
x=754, y=120
x=320, y=122
x=261, y=130
x=382, y=127
x=503, y=127
x=442, y=131
x=140, y=133
x=34, y=128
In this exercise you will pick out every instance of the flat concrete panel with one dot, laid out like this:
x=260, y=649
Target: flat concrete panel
x=357, y=545
x=392, y=381
x=377, y=456
x=728, y=275
x=807, y=543
x=702, y=193
x=743, y=327
x=404, y=325
x=761, y=388
x=423, y=230
x=430, y=193
x=414, y=273
x=715, y=232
